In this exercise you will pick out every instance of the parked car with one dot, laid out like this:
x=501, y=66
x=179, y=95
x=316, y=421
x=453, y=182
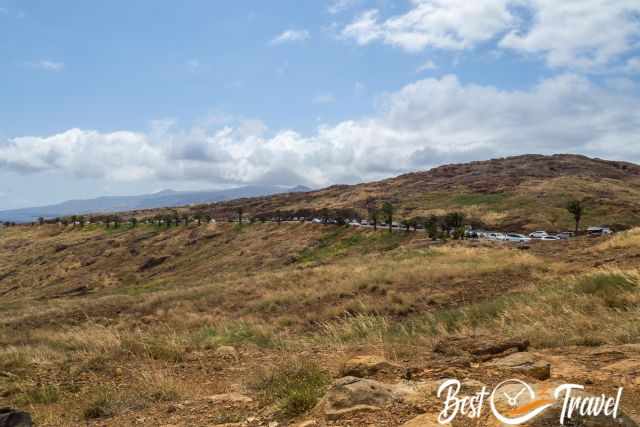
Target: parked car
x=515, y=237
x=565, y=235
x=538, y=234
x=550, y=238
x=599, y=231
x=497, y=236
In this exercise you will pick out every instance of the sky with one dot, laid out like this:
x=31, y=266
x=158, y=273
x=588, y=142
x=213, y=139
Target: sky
x=136, y=96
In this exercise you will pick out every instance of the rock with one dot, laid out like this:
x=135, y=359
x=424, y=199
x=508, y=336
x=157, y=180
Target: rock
x=365, y=366
x=274, y=424
x=308, y=423
x=350, y=395
x=523, y=363
x=227, y=352
x=543, y=393
x=425, y=420
x=478, y=346
x=14, y=418
x=153, y=262
x=229, y=398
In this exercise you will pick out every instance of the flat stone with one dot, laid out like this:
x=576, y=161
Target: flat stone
x=523, y=363
x=365, y=366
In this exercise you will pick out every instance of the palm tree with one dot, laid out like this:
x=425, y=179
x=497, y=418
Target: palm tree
x=387, y=209
x=576, y=209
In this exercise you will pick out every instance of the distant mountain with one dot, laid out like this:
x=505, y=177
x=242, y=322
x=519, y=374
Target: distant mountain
x=166, y=198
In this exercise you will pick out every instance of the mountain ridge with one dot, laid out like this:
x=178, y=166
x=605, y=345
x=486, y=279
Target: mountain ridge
x=161, y=199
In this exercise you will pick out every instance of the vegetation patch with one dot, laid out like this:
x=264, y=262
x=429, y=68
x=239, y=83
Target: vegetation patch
x=294, y=387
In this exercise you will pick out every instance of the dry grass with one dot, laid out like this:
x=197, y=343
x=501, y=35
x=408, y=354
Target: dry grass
x=145, y=338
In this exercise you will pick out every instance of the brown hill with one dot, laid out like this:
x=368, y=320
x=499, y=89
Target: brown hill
x=523, y=192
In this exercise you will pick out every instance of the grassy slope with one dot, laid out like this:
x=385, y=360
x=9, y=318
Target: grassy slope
x=141, y=337
x=520, y=193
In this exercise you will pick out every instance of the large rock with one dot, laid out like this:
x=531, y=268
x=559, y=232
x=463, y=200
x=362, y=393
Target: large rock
x=13, y=418
x=523, y=364
x=366, y=366
x=512, y=401
x=350, y=395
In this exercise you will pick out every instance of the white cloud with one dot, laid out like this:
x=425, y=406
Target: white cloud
x=446, y=24
x=427, y=66
x=581, y=34
x=578, y=33
x=47, y=65
x=426, y=123
x=337, y=6
x=291, y=36
x=324, y=98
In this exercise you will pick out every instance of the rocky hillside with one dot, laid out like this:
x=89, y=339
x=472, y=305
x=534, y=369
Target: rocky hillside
x=519, y=193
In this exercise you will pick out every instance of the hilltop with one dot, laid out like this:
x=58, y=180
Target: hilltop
x=520, y=193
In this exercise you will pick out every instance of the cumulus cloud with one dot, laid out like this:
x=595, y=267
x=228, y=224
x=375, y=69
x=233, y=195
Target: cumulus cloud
x=424, y=124
x=581, y=34
x=446, y=24
x=291, y=36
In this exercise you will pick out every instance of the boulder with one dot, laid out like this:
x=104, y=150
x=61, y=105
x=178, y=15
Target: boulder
x=366, y=366
x=14, y=418
x=351, y=395
x=523, y=364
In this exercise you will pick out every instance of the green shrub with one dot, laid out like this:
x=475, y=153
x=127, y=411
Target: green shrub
x=294, y=387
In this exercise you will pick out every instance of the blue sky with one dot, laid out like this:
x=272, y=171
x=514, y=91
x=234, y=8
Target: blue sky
x=130, y=97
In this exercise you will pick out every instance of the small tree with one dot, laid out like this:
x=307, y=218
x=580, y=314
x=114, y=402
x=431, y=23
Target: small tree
x=374, y=216
x=134, y=222
x=576, y=209
x=431, y=227
x=387, y=209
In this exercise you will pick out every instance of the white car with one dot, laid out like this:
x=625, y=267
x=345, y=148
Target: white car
x=538, y=234
x=550, y=238
x=515, y=237
x=497, y=236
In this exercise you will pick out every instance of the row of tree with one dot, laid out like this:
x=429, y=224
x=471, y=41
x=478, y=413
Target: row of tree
x=451, y=224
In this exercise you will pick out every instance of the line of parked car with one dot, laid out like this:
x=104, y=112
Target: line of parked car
x=536, y=235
